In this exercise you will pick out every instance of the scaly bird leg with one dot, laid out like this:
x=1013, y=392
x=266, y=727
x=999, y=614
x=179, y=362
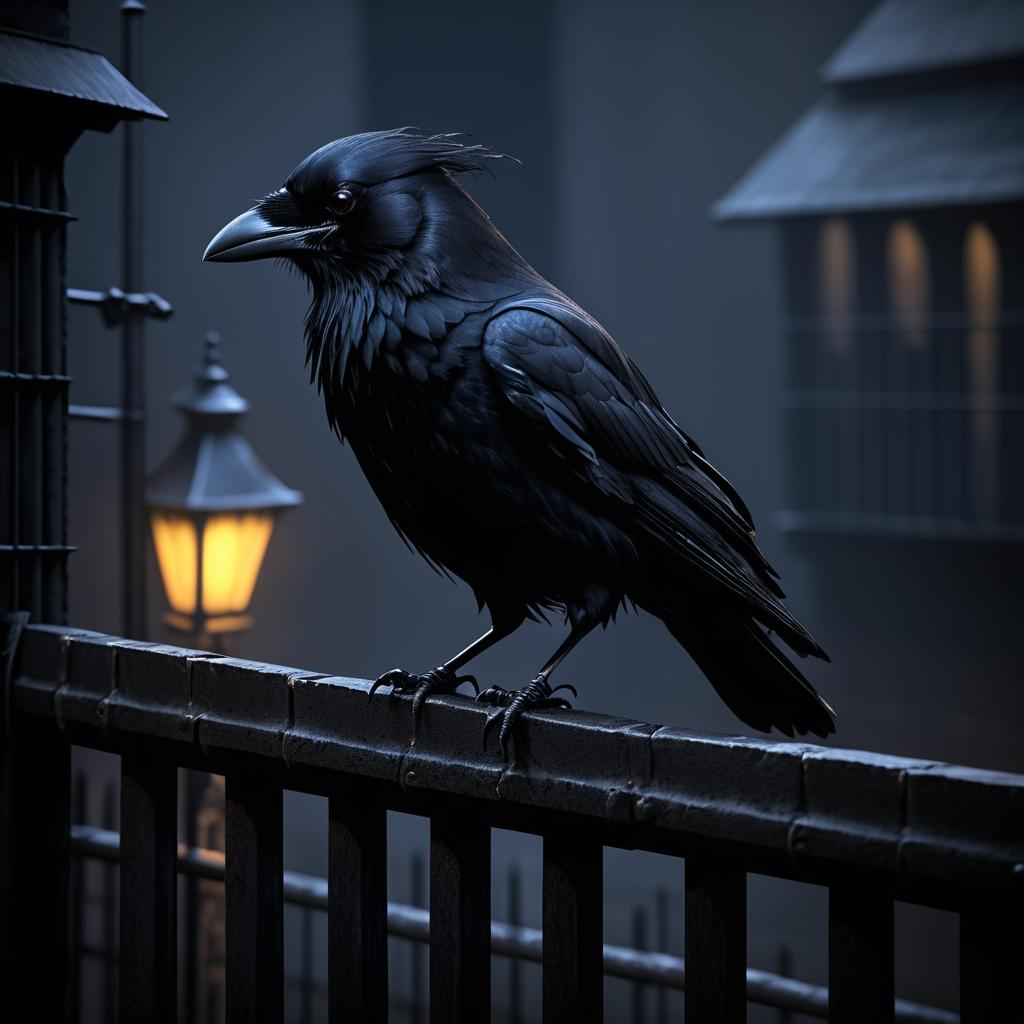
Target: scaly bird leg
x=443, y=679
x=536, y=695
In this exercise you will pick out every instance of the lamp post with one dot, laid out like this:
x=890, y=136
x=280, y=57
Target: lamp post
x=212, y=506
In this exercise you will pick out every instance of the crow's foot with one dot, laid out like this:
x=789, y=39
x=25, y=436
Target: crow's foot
x=437, y=680
x=536, y=695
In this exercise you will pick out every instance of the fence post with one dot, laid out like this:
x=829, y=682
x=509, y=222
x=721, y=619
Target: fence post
x=573, y=987
x=357, y=915
x=460, y=920
x=254, y=899
x=149, y=889
x=861, y=955
x=35, y=790
x=716, y=941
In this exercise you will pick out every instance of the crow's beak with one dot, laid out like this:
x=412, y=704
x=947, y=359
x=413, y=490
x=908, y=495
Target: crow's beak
x=251, y=236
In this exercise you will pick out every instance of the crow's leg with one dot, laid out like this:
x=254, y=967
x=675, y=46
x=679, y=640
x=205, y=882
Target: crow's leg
x=536, y=694
x=443, y=679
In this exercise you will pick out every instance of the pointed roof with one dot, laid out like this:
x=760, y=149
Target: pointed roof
x=924, y=108
x=46, y=67
x=909, y=37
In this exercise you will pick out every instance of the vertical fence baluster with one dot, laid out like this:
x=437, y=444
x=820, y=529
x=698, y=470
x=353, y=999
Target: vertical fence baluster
x=661, y=943
x=460, y=920
x=109, y=903
x=573, y=929
x=716, y=941
x=149, y=846
x=639, y=993
x=417, y=954
x=991, y=955
x=36, y=822
x=357, y=937
x=861, y=955
x=515, y=970
x=306, y=984
x=79, y=814
x=254, y=866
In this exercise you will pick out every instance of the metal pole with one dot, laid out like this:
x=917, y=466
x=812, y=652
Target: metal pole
x=133, y=392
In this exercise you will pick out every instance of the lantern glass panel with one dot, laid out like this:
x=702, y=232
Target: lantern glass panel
x=174, y=536
x=234, y=544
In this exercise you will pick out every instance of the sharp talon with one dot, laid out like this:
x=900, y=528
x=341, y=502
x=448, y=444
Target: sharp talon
x=505, y=735
x=566, y=686
x=535, y=696
x=491, y=719
x=391, y=678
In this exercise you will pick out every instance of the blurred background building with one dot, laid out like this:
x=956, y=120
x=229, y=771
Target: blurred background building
x=858, y=382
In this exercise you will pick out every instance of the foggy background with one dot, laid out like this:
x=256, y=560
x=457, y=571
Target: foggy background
x=629, y=120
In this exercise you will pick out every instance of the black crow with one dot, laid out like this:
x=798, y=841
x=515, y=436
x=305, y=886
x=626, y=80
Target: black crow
x=510, y=440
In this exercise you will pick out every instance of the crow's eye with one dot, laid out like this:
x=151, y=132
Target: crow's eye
x=342, y=202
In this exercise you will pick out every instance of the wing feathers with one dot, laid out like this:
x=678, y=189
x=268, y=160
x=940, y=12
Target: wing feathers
x=560, y=369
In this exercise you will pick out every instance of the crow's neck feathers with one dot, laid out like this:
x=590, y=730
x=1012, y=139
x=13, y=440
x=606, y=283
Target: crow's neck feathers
x=363, y=304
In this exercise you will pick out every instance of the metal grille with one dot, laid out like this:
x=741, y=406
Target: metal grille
x=33, y=384
x=905, y=422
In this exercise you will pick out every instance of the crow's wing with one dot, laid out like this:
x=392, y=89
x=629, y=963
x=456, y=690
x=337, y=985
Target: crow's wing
x=566, y=376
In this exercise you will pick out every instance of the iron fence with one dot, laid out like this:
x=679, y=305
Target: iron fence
x=872, y=828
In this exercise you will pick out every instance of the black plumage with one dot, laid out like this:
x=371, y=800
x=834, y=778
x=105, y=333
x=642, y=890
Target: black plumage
x=508, y=437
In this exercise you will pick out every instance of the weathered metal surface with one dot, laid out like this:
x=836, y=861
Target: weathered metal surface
x=460, y=916
x=357, y=935
x=573, y=988
x=254, y=903
x=149, y=889
x=810, y=805
x=716, y=941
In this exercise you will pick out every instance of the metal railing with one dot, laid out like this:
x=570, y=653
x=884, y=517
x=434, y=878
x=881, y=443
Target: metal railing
x=910, y=429
x=872, y=828
x=512, y=940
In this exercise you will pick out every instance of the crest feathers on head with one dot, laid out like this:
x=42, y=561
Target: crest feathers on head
x=379, y=156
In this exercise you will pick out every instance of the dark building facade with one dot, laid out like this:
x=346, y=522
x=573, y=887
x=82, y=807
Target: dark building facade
x=900, y=201
x=51, y=92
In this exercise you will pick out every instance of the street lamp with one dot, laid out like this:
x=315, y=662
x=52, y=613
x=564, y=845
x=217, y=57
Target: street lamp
x=212, y=506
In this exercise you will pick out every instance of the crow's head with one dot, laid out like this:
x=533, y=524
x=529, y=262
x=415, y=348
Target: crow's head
x=365, y=203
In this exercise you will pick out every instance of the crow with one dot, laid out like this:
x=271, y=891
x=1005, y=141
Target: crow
x=510, y=440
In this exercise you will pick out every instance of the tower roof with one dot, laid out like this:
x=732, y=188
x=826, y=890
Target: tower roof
x=912, y=37
x=924, y=107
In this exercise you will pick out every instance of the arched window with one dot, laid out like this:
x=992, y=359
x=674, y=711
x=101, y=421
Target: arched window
x=837, y=280
x=982, y=287
x=907, y=281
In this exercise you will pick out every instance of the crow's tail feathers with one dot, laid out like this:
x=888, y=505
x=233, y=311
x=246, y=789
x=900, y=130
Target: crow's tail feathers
x=759, y=683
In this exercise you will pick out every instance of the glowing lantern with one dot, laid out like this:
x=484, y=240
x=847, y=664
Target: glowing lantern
x=212, y=506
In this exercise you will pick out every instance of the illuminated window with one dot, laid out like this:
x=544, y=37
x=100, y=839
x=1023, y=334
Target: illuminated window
x=982, y=286
x=907, y=280
x=837, y=281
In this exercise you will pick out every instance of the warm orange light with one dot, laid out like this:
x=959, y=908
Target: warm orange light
x=982, y=286
x=908, y=280
x=233, y=548
x=233, y=545
x=174, y=535
x=837, y=284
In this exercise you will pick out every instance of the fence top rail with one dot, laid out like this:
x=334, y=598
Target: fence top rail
x=807, y=803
